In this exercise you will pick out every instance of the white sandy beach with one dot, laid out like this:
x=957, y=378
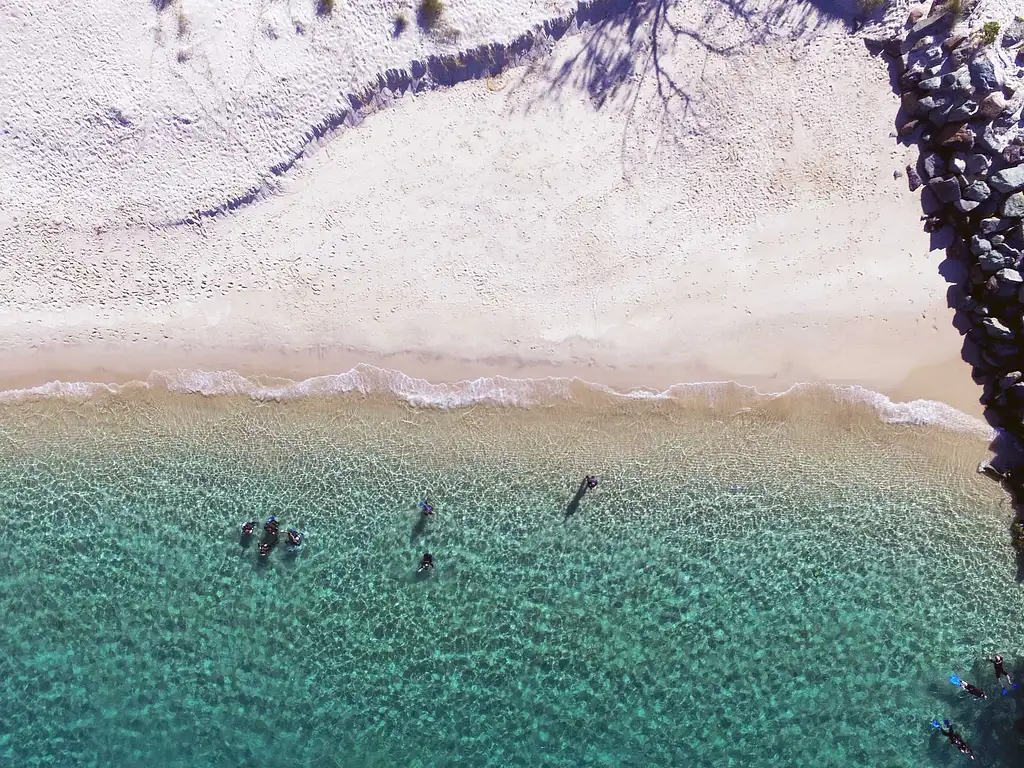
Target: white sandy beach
x=682, y=193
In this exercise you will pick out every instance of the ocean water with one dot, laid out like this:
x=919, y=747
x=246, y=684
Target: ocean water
x=754, y=583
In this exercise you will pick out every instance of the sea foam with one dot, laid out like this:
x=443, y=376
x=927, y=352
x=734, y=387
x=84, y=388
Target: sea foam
x=493, y=390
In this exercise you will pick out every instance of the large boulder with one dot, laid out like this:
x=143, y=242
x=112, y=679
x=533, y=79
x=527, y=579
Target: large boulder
x=992, y=106
x=978, y=191
x=935, y=101
x=965, y=111
x=986, y=71
x=978, y=164
x=1013, y=206
x=980, y=245
x=946, y=189
x=1009, y=282
x=1013, y=32
x=1008, y=180
x=933, y=165
x=996, y=329
x=955, y=136
x=989, y=226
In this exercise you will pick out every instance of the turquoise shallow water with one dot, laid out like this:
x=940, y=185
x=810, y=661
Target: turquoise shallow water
x=731, y=595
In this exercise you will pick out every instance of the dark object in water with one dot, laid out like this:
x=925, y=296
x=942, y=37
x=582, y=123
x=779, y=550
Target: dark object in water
x=294, y=538
x=591, y=481
x=248, y=528
x=426, y=563
x=272, y=526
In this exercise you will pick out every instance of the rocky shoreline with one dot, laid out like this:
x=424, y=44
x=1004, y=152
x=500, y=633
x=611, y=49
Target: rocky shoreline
x=961, y=87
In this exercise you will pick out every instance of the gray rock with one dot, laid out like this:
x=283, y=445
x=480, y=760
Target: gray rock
x=992, y=106
x=993, y=261
x=1011, y=378
x=987, y=226
x=965, y=111
x=965, y=206
x=1008, y=180
x=913, y=178
x=1011, y=277
x=980, y=245
x=929, y=202
x=996, y=329
x=956, y=136
x=986, y=71
x=1013, y=206
x=936, y=24
x=978, y=164
x=978, y=191
x=1004, y=349
x=958, y=81
x=934, y=101
x=933, y=165
x=958, y=163
x=947, y=190
x=1013, y=33
x=1013, y=154
x=1010, y=252
x=930, y=83
x=1015, y=392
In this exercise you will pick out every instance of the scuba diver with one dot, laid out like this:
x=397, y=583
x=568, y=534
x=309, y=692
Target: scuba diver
x=248, y=528
x=267, y=544
x=426, y=563
x=294, y=538
x=974, y=690
x=591, y=482
x=272, y=526
x=997, y=662
x=427, y=507
x=954, y=738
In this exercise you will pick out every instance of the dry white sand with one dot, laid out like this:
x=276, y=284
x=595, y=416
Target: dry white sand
x=696, y=191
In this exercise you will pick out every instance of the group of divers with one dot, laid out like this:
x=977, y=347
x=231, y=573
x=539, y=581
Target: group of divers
x=294, y=539
x=947, y=730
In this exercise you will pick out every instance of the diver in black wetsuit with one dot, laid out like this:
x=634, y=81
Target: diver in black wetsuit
x=427, y=507
x=591, y=482
x=270, y=536
x=426, y=563
x=997, y=662
x=974, y=690
x=248, y=528
x=294, y=538
x=956, y=739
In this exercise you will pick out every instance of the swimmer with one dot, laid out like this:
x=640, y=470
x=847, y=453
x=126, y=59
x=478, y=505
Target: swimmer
x=266, y=545
x=426, y=562
x=591, y=481
x=294, y=538
x=272, y=526
x=974, y=690
x=427, y=507
x=248, y=528
x=997, y=662
x=954, y=738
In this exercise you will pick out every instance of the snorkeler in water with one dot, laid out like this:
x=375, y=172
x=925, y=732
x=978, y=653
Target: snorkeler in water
x=426, y=563
x=427, y=507
x=954, y=738
x=1000, y=668
x=272, y=526
x=591, y=482
x=248, y=528
x=974, y=690
x=294, y=538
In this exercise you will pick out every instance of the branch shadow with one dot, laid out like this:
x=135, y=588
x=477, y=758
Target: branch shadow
x=648, y=55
